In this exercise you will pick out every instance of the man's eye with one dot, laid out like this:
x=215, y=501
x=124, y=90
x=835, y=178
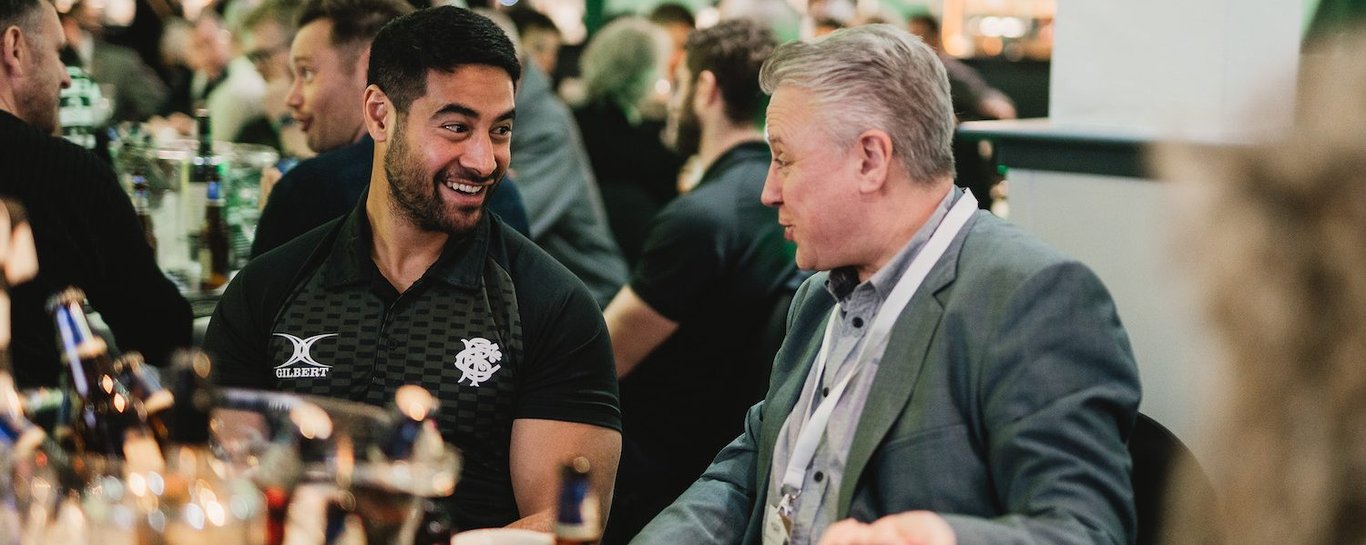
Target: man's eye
x=455, y=127
x=502, y=131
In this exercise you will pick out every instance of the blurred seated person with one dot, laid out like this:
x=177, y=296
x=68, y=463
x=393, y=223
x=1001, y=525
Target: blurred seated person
x=328, y=57
x=540, y=38
x=556, y=181
x=137, y=91
x=267, y=31
x=715, y=272
x=946, y=377
x=636, y=173
x=228, y=86
x=677, y=21
x=84, y=228
x=1278, y=242
x=973, y=100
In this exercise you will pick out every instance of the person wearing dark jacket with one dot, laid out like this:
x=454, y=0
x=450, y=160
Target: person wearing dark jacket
x=84, y=228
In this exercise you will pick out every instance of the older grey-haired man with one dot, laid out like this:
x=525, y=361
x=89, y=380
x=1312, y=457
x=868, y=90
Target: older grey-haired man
x=948, y=378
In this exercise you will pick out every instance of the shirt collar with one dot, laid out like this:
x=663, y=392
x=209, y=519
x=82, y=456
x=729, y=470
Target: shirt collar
x=461, y=263
x=844, y=280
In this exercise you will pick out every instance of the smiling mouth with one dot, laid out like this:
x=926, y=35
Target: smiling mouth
x=465, y=189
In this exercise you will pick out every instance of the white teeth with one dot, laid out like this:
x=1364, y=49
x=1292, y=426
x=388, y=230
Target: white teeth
x=464, y=188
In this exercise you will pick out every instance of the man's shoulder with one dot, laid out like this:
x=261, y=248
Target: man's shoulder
x=349, y=165
x=540, y=279
x=61, y=165
x=994, y=245
x=275, y=269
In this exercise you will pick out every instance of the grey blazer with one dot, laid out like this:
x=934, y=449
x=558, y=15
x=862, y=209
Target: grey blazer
x=1003, y=402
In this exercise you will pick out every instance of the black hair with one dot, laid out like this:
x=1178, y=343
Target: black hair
x=670, y=12
x=354, y=22
x=733, y=51
x=437, y=38
x=20, y=13
x=527, y=18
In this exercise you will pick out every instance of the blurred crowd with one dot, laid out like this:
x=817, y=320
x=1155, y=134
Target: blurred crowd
x=690, y=220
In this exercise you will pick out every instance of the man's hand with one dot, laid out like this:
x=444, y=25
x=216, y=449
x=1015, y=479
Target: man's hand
x=911, y=528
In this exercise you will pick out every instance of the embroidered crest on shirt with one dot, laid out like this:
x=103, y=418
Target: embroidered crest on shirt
x=476, y=361
x=310, y=367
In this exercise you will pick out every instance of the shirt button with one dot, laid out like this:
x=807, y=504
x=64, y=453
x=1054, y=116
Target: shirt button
x=819, y=476
x=858, y=322
x=825, y=392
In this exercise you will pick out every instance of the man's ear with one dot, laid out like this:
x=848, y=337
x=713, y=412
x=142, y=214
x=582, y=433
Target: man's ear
x=873, y=151
x=13, y=50
x=378, y=114
x=707, y=91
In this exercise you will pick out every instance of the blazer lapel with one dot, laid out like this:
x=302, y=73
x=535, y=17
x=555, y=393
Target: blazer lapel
x=899, y=368
x=785, y=393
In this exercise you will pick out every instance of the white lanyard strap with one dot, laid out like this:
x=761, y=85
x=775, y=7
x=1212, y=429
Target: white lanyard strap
x=814, y=428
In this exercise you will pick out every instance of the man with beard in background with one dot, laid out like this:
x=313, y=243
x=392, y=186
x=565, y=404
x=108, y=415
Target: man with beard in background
x=418, y=285
x=695, y=330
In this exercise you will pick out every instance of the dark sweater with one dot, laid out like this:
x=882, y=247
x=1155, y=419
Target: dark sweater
x=86, y=235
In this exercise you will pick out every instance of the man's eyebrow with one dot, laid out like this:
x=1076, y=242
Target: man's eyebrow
x=454, y=108
x=461, y=109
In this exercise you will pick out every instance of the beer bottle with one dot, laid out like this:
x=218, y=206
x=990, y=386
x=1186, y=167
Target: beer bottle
x=109, y=421
x=578, y=521
x=214, y=240
x=131, y=370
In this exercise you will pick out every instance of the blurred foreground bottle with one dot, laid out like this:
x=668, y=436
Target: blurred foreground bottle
x=578, y=521
x=201, y=504
x=110, y=421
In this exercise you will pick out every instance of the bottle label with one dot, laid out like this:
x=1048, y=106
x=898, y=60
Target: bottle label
x=205, y=262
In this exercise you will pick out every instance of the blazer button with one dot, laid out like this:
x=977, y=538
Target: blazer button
x=819, y=476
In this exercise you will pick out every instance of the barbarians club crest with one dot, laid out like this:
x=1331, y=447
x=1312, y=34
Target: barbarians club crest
x=476, y=361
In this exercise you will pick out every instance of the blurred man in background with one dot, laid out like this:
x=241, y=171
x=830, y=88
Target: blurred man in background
x=715, y=272
x=84, y=228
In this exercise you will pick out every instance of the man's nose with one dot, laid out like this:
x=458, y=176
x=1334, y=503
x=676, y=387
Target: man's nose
x=479, y=156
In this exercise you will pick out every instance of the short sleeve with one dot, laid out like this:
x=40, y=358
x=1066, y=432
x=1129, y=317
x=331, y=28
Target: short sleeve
x=683, y=257
x=568, y=372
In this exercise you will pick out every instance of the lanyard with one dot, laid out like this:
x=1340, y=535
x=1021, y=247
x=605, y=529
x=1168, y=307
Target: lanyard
x=814, y=426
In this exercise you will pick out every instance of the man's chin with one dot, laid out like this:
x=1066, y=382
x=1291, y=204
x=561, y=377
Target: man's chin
x=462, y=221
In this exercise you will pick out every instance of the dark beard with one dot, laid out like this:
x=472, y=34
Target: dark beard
x=406, y=186
x=686, y=135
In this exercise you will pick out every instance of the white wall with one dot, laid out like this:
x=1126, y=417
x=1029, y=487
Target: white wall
x=1152, y=70
x=1160, y=65
x=1123, y=228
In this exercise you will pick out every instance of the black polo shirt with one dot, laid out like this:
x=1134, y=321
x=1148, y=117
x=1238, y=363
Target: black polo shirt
x=496, y=328
x=714, y=261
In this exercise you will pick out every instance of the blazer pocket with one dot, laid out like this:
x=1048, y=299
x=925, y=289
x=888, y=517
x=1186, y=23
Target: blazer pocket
x=936, y=469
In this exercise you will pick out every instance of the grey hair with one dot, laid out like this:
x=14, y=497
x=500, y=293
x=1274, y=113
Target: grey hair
x=876, y=77
x=623, y=60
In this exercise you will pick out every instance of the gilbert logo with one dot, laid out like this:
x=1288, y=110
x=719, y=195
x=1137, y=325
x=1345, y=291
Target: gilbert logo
x=309, y=367
x=476, y=361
